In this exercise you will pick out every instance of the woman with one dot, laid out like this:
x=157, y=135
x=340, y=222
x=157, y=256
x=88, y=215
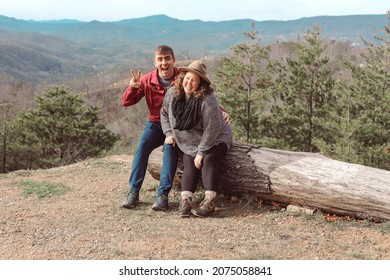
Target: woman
x=192, y=119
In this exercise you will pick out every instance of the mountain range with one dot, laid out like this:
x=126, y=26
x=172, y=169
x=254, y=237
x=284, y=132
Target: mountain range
x=54, y=51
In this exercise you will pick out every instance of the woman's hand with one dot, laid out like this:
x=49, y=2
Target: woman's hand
x=170, y=140
x=198, y=161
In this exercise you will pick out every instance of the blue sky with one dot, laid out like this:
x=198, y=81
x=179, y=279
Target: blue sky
x=207, y=10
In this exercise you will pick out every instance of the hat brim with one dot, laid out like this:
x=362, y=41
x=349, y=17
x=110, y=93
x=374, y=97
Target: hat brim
x=192, y=70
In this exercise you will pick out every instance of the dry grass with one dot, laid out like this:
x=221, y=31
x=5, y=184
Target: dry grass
x=77, y=215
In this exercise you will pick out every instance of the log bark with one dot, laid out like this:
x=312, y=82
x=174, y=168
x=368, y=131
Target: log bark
x=304, y=179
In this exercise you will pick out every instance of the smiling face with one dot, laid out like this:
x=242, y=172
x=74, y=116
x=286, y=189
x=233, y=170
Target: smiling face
x=164, y=63
x=191, y=83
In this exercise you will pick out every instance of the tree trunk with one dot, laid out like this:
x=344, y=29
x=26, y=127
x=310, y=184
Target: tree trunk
x=304, y=179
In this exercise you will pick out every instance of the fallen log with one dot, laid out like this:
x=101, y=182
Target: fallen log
x=309, y=180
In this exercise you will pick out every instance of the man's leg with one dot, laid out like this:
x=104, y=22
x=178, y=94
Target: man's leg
x=167, y=174
x=151, y=138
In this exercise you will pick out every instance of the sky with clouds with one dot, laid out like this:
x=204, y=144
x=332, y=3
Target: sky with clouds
x=206, y=10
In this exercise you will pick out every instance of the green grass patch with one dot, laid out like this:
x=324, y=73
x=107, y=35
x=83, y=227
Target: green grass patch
x=42, y=189
x=383, y=228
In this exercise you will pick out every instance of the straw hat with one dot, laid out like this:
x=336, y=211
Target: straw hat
x=197, y=67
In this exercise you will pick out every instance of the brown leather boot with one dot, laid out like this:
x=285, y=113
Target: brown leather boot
x=185, y=207
x=206, y=207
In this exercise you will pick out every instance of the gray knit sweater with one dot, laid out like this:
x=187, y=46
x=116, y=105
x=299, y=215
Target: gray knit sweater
x=211, y=130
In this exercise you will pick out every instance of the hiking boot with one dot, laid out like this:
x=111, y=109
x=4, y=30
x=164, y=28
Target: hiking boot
x=131, y=200
x=206, y=207
x=185, y=208
x=161, y=203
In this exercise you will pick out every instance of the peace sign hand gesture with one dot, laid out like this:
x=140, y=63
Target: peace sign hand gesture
x=135, y=81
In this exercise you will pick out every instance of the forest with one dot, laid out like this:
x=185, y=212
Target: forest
x=313, y=94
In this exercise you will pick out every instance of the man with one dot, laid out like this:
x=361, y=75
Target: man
x=153, y=86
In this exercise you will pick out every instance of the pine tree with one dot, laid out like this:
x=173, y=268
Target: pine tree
x=7, y=112
x=300, y=121
x=367, y=106
x=241, y=82
x=61, y=130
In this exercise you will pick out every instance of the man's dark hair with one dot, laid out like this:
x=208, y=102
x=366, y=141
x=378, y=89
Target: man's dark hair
x=163, y=49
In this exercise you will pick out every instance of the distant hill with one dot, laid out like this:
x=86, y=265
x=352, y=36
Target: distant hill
x=59, y=50
x=34, y=57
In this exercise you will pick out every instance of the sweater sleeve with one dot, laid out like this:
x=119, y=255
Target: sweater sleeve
x=212, y=124
x=164, y=114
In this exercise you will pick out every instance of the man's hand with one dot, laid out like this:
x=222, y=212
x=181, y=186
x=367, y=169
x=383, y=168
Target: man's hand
x=135, y=81
x=226, y=117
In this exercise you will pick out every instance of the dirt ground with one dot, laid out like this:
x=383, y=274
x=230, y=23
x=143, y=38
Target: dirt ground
x=77, y=216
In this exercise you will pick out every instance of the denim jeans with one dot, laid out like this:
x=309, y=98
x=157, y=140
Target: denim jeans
x=153, y=137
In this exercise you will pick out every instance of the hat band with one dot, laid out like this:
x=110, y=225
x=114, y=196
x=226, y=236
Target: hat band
x=197, y=71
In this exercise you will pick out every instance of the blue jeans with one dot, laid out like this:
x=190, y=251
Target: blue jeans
x=153, y=137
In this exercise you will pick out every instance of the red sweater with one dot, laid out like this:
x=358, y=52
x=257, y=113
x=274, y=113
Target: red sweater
x=153, y=91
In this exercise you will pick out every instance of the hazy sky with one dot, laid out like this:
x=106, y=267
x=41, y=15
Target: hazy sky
x=207, y=10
